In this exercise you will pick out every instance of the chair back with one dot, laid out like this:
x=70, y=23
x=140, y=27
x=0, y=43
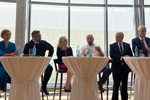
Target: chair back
x=55, y=62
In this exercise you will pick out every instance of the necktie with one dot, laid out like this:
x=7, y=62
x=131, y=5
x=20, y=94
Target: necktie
x=121, y=51
x=143, y=46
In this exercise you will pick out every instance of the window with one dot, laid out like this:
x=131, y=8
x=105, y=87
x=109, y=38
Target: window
x=88, y=1
x=147, y=2
x=120, y=2
x=8, y=18
x=147, y=16
x=61, y=1
x=86, y=20
x=120, y=20
x=52, y=22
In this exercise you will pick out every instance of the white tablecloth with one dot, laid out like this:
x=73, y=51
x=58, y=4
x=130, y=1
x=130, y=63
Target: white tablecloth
x=25, y=72
x=141, y=67
x=85, y=70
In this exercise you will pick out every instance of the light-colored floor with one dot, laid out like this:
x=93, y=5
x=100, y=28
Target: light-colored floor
x=64, y=96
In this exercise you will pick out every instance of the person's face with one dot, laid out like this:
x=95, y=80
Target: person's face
x=142, y=32
x=65, y=42
x=89, y=39
x=119, y=38
x=6, y=36
x=37, y=37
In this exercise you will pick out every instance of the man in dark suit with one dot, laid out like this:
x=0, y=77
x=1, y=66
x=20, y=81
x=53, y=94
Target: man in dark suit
x=41, y=47
x=142, y=42
x=120, y=69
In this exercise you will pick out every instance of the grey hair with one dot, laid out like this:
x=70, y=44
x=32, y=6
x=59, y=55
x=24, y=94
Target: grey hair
x=141, y=26
x=120, y=33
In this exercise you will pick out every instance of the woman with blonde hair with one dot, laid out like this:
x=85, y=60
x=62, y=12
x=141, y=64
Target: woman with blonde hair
x=7, y=48
x=64, y=50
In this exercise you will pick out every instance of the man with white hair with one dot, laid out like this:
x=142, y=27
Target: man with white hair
x=142, y=42
x=120, y=69
x=96, y=51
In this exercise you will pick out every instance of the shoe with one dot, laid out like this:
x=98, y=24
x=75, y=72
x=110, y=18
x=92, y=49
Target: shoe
x=100, y=88
x=66, y=90
x=69, y=90
x=46, y=92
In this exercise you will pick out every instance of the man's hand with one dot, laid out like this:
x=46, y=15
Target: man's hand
x=98, y=48
x=148, y=48
x=125, y=56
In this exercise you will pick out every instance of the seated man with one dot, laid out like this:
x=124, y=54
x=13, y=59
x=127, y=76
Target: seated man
x=142, y=42
x=41, y=47
x=96, y=51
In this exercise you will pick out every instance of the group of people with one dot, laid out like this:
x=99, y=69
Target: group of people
x=118, y=51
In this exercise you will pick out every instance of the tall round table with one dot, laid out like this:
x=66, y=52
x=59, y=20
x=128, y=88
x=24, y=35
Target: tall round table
x=24, y=73
x=85, y=70
x=141, y=67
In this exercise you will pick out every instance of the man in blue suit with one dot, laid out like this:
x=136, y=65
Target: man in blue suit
x=120, y=69
x=142, y=42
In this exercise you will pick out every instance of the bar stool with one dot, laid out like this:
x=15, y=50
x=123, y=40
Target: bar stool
x=100, y=84
x=131, y=84
x=42, y=88
x=4, y=92
x=61, y=72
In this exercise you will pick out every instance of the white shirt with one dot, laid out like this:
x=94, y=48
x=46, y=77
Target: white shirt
x=85, y=50
x=145, y=44
x=35, y=42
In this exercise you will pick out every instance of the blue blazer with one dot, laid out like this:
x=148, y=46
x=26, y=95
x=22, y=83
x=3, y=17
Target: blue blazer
x=117, y=64
x=137, y=42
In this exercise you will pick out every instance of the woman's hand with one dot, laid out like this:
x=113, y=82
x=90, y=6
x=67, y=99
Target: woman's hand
x=15, y=53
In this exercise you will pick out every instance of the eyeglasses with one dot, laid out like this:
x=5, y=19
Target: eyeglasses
x=38, y=36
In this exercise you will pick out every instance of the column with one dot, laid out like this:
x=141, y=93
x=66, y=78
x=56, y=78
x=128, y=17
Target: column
x=22, y=17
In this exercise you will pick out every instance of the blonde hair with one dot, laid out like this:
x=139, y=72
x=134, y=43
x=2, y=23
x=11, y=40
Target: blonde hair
x=4, y=31
x=61, y=43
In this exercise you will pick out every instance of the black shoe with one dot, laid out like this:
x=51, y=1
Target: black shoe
x=100, y=88
x=46, y=92
x=66, y=90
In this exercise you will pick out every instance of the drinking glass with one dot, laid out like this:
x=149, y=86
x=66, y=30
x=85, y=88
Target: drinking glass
x=141, y=53
x=30, y=52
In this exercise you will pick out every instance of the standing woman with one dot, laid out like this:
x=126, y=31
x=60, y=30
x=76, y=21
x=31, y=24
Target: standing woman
x=6, y=49
x=64, y=50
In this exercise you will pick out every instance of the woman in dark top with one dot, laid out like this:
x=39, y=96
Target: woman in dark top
x=64, y=50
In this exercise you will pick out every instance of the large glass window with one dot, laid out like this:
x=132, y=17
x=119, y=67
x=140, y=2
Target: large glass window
x=147, y=20
x=88, y=1
x=147, y=2
x=120, y=20
x=130, y=2
x=86, y=20
x=8, y=18
x=62, y=1
x=52, y=22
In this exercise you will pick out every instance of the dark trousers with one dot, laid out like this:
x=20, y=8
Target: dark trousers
x=47, y=75
x=106, y=72
x=118, y=78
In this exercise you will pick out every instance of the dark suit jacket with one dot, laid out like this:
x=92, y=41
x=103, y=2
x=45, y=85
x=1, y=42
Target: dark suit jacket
x=40, y=48
x=61, y=53
x=117, y=64
x=137, y=42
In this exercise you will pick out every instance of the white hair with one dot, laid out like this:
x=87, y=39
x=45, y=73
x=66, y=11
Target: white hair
x=141, y=26
x=120, y=33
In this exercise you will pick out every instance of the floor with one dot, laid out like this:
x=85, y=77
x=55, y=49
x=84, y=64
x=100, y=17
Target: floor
x=64, y=95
